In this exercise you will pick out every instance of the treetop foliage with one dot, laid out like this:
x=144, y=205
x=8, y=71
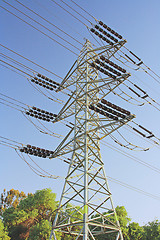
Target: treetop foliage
x=30, y=217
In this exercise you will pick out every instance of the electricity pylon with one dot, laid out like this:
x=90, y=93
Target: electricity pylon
x=86, y=208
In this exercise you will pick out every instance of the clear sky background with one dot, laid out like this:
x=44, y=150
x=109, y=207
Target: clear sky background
x=138, y=22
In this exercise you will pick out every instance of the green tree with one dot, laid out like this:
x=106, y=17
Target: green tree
x=135, y=232
x=3, y=232
x=152, y=231
x=31, y=215
x=10, y=198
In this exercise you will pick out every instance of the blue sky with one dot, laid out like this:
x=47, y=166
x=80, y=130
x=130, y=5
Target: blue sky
x=138, y=22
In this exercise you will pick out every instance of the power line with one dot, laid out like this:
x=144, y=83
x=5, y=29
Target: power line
x=134, y=188
x=49, y=22
x=16, y=68
x=84, y=10
x=138, y=160
x=76, y=11
x=69, y=13
x=30, y=61
x=18, y=63
x=58, y=17
x=39, y=31
x=42, y=25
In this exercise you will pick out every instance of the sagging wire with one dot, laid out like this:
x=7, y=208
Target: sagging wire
x=127, y=58
x=44, y=173
x=37, y=74
x=24, y=110
x=139, y=133
x=41, y=172
x=119, y=36
x=143, y=64
x=140, y=67
x=17, y=146
x=132, y=157
x=138, y=103
x=128, y=145
x=53, y=98
x=142, y=92
x=145, y=95
x=43, y=129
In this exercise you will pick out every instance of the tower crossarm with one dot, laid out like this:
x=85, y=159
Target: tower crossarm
x=70, y=79
x=104, y=129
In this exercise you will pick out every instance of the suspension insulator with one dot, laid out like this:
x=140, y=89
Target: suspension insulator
x=97, y=67
x=112, y=64
x=110, y=30
x=92, y=64
x=115, y=107
x=38, y=155
x=104, y=38
x=33, y=147
x=101, y=70
x=92, y=30
x=102, y=64
x=109, y=74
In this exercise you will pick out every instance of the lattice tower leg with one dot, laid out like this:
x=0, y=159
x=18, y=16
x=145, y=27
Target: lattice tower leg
x=86, y=208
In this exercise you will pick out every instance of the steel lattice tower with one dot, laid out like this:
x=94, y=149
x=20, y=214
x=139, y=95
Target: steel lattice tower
x=86, y=194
